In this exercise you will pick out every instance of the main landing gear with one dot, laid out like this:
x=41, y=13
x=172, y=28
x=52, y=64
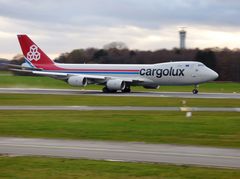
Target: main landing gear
x=106, y=90
x=127, y=89
x=195, y=90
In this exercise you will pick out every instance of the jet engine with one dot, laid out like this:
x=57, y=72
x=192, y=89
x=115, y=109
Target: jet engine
x=77, y=81
x=115, y=84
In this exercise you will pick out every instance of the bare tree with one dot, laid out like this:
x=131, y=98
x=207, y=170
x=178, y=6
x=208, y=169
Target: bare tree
x=115, y=45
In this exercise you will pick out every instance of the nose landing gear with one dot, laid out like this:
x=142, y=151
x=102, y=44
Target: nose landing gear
x=195, y=90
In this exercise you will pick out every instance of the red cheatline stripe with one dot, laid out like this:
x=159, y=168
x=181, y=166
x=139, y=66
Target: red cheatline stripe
x=101, y=70
x=57, y=68
x=109, y=70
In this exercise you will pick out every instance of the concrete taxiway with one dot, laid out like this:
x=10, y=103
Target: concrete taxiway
x=137, y=94
x=119, y=108
x=122, y=151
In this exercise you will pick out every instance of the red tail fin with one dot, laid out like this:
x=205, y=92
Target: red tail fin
x=34, y=54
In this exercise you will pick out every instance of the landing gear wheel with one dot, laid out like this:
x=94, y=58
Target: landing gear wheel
x=127, y=89
x=106, y=90
x=195, y=91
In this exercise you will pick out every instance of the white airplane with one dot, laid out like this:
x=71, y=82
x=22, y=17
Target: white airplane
x=115, y=76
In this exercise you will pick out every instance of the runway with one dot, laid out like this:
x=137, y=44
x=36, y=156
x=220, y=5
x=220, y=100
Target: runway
x=122, y=151
x=119, y=108
x=136, y=94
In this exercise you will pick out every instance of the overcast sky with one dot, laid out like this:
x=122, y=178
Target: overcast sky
x=63, y=25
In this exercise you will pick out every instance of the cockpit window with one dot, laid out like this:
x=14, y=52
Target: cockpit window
x=200, y=65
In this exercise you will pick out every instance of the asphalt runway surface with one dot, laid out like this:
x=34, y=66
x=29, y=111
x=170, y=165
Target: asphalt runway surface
x=119, y=108
x=137, y=94
x=122, y=151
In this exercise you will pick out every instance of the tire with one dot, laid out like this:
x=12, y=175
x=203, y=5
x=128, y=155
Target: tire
x=195, y=91
x=126, y=90
x=106, y=90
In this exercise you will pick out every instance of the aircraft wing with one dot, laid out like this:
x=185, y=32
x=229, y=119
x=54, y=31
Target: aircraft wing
x=63, y=75
x=92, y=77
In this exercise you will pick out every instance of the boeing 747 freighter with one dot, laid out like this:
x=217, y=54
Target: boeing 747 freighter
x=115, y=77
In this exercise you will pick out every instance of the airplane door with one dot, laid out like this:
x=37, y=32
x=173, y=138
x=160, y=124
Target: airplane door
x=195, y=71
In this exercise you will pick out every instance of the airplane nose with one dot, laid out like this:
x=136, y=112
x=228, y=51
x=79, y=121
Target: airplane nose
x=212, y=74
x=215, y=75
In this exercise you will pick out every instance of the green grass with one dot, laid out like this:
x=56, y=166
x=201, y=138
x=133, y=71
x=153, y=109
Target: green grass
x=204, y=128
x=45, y=82
x=39, y=100
x=43, y=167
x=5, y=73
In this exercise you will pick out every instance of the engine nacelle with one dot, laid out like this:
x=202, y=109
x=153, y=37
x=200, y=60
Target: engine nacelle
x=115, y=84
x=151, y=86
x=77, y=81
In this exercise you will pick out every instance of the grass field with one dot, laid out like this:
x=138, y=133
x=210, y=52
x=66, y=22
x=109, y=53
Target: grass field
x=35, y=99
x=209, y=129
x=45, y=82
x=217, y=129
x=42, y=167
